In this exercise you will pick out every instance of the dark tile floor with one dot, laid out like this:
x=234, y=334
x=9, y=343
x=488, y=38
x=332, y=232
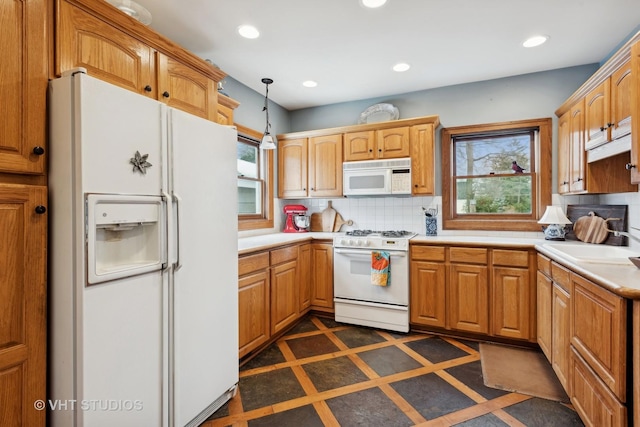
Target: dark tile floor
x=324, y=373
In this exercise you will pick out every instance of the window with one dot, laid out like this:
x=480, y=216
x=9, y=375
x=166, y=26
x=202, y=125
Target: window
x=255, y=181
x=496, y=176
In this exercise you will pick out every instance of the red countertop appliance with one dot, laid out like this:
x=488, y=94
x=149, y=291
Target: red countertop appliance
x=297, y=220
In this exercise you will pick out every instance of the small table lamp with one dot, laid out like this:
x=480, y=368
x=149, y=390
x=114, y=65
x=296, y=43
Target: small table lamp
x=556, y=220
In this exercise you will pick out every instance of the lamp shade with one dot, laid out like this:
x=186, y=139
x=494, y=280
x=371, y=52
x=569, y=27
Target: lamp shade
x=554, y=215
x=268, y=142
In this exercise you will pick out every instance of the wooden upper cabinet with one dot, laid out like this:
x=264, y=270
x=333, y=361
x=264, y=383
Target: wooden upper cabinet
x=115, y=48
x=381, y=144
x=226, y=106
x=359, y=146
x=325, y=166
x=577, y=170
x=422, y=149
x=23, y=86
x=107, y=53
x=564, y=152
x=597, y=115
x=634, y=163
x=292, y=168
x=23, y=304
x=621, y=101
x=186, y=89
x=392, y=143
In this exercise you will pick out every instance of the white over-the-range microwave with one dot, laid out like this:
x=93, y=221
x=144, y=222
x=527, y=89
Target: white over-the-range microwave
x=377, y=177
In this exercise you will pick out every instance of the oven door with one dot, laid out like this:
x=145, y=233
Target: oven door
x=352, y=277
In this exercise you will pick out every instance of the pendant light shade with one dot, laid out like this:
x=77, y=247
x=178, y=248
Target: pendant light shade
x=268, y=141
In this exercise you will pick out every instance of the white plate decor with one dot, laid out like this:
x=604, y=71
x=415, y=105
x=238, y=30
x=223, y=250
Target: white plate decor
x=133, y=9
x=379, y=113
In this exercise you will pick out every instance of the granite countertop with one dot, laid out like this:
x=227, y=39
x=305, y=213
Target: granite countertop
x=623, y=280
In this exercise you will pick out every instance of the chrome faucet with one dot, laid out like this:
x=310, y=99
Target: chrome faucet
x=624, y=233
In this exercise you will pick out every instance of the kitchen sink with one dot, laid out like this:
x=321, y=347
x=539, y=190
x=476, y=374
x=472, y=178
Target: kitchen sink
x=601, y=254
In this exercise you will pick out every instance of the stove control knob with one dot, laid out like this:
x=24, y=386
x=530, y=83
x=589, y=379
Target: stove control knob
x=359, y=242
x=367, y=243
x=351, y=242
x=343, y=242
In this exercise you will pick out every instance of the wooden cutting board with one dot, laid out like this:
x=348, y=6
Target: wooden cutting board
x=575, y=212
x=340, y=222
x=316, y=222
x=328, y=217
x=591, y=228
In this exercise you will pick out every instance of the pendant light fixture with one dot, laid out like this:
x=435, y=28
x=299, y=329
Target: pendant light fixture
x=268, y=141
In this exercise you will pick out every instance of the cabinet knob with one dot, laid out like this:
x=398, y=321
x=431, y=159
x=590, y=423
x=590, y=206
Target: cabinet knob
x=565, y=182
x=37, y=150
x=629, y=166
x=40, y=209
x=379, y=150
x=147, y=88
x=165, y=94
x=609, y=125
x=415, y=185
x=578, y=180
x=602, y=128
x=370, y=150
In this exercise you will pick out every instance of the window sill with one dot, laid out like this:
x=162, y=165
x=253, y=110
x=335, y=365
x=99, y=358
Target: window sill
x=254, y=224
x=491, y=225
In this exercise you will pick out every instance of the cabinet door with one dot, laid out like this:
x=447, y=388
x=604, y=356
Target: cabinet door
x=599, y=333
x=322, y=276
x=186, y=89
x=392, y=143
x=325, y=166
x=564, y=152
x=621, y=101
x=225, y=115
x=284, y=295
x=597, y=115
x=23, y=85
x=511, y=302
x=422, y=160
x=577, y=171
x=561, y=335
x=107, y=53
x=428, y=293
x=23, y=305
x=253, y=313
x=468, y=299
x=544, y=316
x=591, y=398
x=634, y=163
x=292, y=168
x=359, y=146
x=304, y=288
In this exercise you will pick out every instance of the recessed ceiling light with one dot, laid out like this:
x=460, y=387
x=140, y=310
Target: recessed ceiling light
x=309, y=83
x=248, y=31
x=401, y=66
x=535, y=41
x=372, y=4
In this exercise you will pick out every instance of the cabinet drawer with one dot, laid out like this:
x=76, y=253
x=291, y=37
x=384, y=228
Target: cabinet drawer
x=468, y=255
x=283, y=255
x=427, y=253
x=250, y=263
x=592, y=399
x=561, y=276
x=544, y=265
x=510, y=258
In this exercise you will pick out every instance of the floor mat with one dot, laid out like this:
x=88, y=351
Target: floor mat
x=520, y=370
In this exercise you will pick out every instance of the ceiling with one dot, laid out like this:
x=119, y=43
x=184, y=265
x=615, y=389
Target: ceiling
x=349, y=50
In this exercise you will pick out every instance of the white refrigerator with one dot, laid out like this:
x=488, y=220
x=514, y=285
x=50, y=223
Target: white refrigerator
x=143, y=260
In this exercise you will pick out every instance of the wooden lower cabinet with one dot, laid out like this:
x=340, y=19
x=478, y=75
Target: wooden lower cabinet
x=284, y=295
x=544, y=309
x=304, y=288
x=23, y=304
x=561, y=334
x=322, y=277
x=511, y=303
x=599, y=332
x=468, y=297
x=254, y=316
x=592, y=399
x=428, y=293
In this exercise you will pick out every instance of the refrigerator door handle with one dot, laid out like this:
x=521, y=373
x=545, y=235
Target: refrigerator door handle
x=177, y=200
x=165, y=236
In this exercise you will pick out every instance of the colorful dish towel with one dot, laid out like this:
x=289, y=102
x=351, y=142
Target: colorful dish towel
x=380, y=268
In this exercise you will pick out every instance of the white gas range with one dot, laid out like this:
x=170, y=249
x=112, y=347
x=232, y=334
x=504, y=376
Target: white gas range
x=357, y=300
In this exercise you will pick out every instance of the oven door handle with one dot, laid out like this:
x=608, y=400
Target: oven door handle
x=365, y=251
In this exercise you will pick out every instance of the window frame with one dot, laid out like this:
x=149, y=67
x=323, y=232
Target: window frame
x=541, y=178
x=253, y=222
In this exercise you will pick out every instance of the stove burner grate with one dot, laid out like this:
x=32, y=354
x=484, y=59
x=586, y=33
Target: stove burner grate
x=387, y=233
